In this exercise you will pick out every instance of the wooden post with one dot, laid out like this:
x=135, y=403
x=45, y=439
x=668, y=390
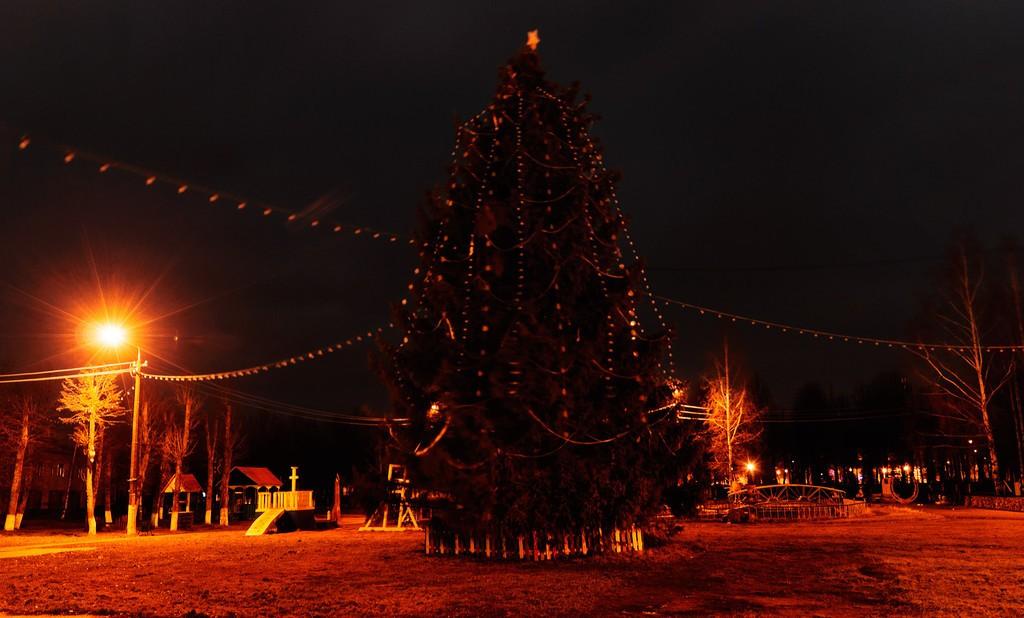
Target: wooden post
x=522, y=553
x=336, y=509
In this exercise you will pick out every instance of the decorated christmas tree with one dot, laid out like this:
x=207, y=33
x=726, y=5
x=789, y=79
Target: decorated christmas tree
x=534, y=366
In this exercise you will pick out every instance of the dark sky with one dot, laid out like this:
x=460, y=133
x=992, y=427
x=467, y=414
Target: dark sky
x=780, y=159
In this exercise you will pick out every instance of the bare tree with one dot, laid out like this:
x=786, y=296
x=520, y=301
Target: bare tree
x=211, y=462
x=965, y=372
x=30, y=411
x=164, y=474
x=93, y=402
x=108, y=517
x=179, y=444
x=230, y=441
x=731, y=416
x=1016, y=397
x=146, y=437
x=23, y=501
x=101, y=450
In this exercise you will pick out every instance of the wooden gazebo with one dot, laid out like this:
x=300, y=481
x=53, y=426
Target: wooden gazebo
x=260, y=480
x=189, y=485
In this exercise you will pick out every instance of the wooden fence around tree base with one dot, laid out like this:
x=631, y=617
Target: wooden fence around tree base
x=534, y=545
x=1001, y=503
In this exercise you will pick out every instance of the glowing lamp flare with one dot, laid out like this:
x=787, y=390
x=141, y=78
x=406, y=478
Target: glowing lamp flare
x=751, y=466
x=110, y=335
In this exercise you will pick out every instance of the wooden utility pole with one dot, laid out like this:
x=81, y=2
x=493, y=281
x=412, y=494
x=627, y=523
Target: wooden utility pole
x=134, y=491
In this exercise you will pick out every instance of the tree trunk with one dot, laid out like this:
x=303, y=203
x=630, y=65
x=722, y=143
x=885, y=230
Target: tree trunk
x=145, y=449
x=23, y=502
x=67, y=489
x=19, y=466
x=1016, y=396
x=225, y=493
x=729, y=434
x=209, y=499
x=108, y=517
x=336, y=510
x=211, y=467
x=158, y=496
x=175, y=495
x=1017, y=407
x=97, y=474
x=90, y=499
x=90, y=487
x=178, y=465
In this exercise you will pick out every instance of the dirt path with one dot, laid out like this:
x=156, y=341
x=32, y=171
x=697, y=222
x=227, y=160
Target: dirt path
x=909, y=561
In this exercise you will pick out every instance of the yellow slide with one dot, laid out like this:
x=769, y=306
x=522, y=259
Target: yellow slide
x=264, y=521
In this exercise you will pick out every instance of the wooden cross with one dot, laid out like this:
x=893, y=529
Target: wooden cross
x=295, y=476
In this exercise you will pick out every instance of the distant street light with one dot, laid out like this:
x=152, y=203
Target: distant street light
x=110, y=335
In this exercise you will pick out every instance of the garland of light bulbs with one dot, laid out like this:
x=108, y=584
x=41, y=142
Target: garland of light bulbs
x=248, y=371
x=153, y=178
x=910, y=346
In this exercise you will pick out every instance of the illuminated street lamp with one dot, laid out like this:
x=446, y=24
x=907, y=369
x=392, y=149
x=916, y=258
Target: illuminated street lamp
x=110, y=335
x=751, y=467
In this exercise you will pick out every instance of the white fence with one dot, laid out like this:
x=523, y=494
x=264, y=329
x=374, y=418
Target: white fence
x=287, y=500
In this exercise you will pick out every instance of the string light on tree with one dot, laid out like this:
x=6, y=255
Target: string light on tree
x=522, y=313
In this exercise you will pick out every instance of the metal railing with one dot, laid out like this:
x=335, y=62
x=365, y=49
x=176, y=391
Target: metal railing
x=800, y=494
x=792, y=502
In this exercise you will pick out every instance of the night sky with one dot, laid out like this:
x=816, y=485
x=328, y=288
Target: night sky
x=804, y=162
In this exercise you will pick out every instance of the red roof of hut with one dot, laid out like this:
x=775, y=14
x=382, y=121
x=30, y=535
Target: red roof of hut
x=189, y=484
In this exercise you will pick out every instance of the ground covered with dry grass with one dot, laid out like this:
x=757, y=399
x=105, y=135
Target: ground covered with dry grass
x=891, y=561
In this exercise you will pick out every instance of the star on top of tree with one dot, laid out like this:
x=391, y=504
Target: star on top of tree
x=532, y=39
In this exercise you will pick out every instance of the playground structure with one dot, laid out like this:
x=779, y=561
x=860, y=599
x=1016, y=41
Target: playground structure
x=791, y=502
x=890, y=493
x=289, y=510
x=395, y=513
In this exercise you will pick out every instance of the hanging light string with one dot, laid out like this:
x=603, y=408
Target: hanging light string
x=182, y=187
x=248, y=371
x=105, y=164
x=910, y=346
x=596, y=162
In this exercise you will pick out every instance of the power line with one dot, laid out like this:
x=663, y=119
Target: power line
x=84, y=374
x=65, y=370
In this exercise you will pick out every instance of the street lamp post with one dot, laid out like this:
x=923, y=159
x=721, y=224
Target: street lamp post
x=113, y=336
x=133, y=489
